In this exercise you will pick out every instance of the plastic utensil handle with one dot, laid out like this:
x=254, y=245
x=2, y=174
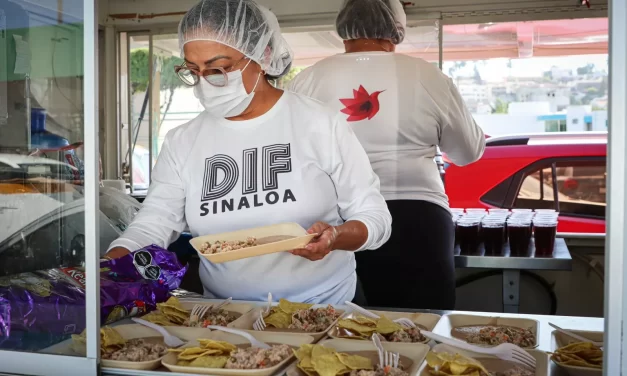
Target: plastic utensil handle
x=571, y=334
x=456, y=343
x=222, y=304
x=361, y=310
x=252, y=339
x=156, y=327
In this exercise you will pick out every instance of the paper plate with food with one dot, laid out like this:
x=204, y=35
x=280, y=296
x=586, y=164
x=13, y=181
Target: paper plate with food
x=357, y=326
x=489, y=331
x=127, y=346
x=292, y=317
x=252, y=242
x=173, y=312
x=579, y=359
x=232, y=355
x=445, y=360
x=338, y=357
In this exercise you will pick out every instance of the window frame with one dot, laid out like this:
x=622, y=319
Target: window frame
x=515, y=181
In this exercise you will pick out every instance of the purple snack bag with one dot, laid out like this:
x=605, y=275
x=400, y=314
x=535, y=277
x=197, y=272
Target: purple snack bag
x=152, y=263
x=47, y=305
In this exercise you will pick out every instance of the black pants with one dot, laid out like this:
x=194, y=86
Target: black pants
x=416, y=267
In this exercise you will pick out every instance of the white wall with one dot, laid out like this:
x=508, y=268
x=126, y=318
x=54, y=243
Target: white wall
x=503, y=124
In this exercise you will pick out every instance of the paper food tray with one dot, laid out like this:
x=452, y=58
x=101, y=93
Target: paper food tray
x=542, y=359
x=293, y=340
x=246, y=323
x=128, y=332
x=449, y=322
x=560, y=340
x=293, y=234
x=425, y=321
x=411, y=355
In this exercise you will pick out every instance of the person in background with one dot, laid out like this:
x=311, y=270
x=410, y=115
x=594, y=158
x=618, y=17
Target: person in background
x=401, y=109
x=259, y=156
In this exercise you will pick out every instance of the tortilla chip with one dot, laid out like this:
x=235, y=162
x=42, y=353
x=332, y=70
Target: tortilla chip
x=173, y=303
x=217, y=345
x=363, y=320
x=158, y=318
x=191, y=353
x=327, y=364
x=303, y=354
x=453, y=364
x=279, y=319
x=355, y=362
x=387, y=326
x=290, y=307
x=356, y=327
x=79, y=343
x=210, y=362
x=174, y=315
x=319, y=350
x=183, y=363
x=580, y=354
x=110, y=337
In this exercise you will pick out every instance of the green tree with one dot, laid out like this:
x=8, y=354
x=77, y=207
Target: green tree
x=587, y=69
x=285, y=80
x=500, y=107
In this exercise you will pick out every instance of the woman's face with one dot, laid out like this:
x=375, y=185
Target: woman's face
x=202, y=56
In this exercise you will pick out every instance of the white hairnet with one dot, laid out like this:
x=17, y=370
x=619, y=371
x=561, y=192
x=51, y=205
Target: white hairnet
x=240, y=24
x=372, y=19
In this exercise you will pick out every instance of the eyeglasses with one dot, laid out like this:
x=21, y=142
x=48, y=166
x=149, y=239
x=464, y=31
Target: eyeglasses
x=217, y=76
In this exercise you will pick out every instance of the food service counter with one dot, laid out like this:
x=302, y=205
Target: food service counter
x=544, y=336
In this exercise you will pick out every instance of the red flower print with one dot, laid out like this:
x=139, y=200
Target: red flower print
x=362, y=106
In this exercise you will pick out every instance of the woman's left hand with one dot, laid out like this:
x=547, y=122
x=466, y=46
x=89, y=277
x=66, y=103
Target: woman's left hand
x=321, y=245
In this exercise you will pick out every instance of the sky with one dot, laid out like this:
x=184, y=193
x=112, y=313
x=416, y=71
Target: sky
x=496, y=69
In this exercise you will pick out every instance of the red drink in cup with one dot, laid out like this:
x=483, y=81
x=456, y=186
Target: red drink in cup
x=544, y=231
x=519, y=233
x=493, y=237
x=468, y=236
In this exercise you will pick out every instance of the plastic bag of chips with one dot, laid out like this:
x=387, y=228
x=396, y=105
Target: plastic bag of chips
x=47, y=306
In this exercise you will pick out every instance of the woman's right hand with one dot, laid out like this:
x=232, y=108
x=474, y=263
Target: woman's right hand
x=117, y=252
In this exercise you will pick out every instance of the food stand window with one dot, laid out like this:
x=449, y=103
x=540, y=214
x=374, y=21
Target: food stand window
x=49, y=238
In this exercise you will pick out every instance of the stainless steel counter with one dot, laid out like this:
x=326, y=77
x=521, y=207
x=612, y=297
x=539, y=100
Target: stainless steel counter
x=560, y=260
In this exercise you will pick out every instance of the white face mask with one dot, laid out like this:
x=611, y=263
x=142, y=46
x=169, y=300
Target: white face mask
x=227, y=101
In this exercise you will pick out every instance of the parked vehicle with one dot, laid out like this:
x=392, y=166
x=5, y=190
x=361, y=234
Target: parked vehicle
x=561, y=171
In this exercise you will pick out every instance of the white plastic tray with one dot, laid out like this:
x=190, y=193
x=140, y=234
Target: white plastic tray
x=295, y=237
x=449, y=322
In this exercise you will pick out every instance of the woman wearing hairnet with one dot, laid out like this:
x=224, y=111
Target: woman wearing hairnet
x=259, y=156
x=401, y=108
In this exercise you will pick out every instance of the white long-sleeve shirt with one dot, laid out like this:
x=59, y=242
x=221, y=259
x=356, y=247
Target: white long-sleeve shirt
x=400, y=108
x=299, y=162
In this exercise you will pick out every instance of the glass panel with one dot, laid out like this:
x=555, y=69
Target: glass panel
x=176, y=104
x=581, y=187
x=42, y=237
x=534, y=76
x=140, y=114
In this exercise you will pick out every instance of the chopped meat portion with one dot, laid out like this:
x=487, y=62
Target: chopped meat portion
x=218, y=317
x=314, y=319
x=411, y=335
x=496, y=335
x=137, y=350
x=255, y=358
x=516, y=371
x=379, y=371
x=222, y=246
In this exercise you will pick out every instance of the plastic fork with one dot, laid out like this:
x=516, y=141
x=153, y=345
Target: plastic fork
x=575, y=335
x=253, y=341
x=260, y=324
x=168, y=338
x=386, y=358
x=404, y=322
x=200, y=310
x=505, y=351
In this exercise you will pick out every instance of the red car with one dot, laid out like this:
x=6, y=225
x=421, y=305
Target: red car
x=561, y=171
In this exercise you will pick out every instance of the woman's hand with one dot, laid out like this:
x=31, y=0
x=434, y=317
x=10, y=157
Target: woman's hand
x=321, y=245
x=117, y=252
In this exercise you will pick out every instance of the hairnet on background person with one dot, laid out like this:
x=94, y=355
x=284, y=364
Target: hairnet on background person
x=240, y=24
x=372, y=19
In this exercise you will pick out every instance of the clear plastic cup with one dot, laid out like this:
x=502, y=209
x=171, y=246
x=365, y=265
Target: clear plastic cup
x=544, y=232
x=521, y=210
x=468, y=236
x=476, y=210
x=545, y=211
x=519, y=233
x=493, y=236
x=499, y=211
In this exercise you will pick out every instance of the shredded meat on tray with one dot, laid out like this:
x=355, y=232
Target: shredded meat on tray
x=387, y=371
x=255, y=358
x=218, y=317
x=314, y=319
x=516, y=371
x=496, y=335
x=137, y=350
x=222, y=246
x=411, y=335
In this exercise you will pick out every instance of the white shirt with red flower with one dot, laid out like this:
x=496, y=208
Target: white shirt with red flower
x=400, y=108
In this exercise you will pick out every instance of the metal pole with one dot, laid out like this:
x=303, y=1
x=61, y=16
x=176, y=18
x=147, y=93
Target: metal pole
x=616, y=243
x=151, y=81
x=92, y=233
